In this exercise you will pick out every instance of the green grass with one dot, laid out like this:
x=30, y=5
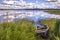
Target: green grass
x=53, y=11
x=25, y=30
x=21, y=30
x=50, y=23
x=54, y=26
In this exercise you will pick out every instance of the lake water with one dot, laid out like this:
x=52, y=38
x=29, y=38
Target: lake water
x=14, y=15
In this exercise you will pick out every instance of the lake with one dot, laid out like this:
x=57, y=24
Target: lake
x=14, y=15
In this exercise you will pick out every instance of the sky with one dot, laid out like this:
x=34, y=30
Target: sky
x=28, y=0
x=1, y=1
x=40, y=2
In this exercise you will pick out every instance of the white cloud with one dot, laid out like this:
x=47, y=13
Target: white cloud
x=23, y=3
x=43, y=5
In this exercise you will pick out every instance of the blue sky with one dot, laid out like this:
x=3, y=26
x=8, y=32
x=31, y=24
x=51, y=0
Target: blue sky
x=34, y=0
x=29, y=1
x=39, y=2
x=1, y=1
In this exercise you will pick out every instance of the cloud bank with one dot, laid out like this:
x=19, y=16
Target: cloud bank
x=24, y=4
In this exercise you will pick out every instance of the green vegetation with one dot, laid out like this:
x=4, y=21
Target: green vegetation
x=54, y=26
x=20, y=30
x=53, y=11
x=25, y=30
x=57, y=28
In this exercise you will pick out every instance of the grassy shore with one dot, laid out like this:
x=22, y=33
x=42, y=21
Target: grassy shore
x=53, y=11
x=20, y=30
x=54, y=26
x=25, y=30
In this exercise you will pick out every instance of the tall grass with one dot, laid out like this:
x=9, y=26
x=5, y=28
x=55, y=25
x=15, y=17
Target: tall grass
x=54, y=26
x=25, y=30
x=57, y=28
x=21, y=30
